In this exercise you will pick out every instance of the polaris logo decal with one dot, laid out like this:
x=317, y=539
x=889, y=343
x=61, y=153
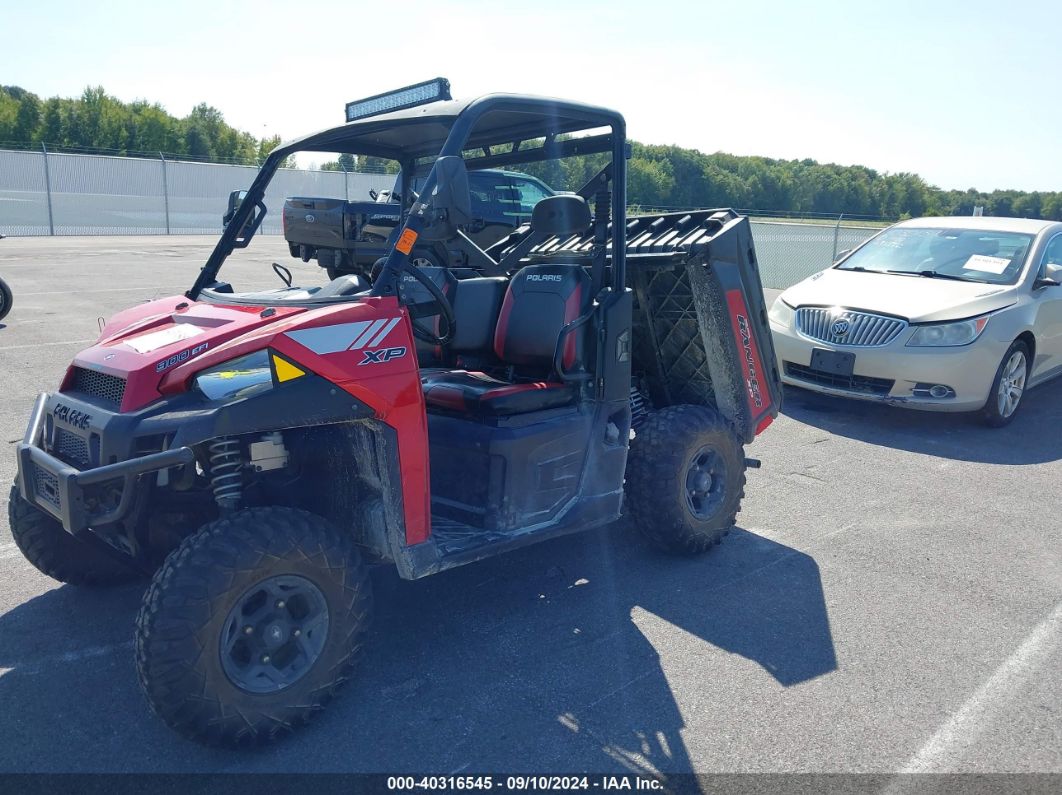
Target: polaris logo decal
x=183, y=356
x=545, y=277
x=78, y=419
x=345, y=336
x=382, y=356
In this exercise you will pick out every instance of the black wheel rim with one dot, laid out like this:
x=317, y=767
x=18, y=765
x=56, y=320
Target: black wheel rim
x=274, y=634
x=705, y=483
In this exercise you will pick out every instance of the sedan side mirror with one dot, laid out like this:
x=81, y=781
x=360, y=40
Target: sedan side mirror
x=841, y=255
x=1052, y=276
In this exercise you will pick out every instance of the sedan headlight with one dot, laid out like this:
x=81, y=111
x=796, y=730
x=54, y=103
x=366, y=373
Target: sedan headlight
x=237, y=378
x=781, y=313
x=937, y=335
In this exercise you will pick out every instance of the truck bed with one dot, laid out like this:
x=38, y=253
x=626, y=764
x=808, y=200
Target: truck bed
x=337, y=224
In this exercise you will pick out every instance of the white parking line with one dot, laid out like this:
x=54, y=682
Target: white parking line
x=965, y=726
x=36, y=666
x=145, y=289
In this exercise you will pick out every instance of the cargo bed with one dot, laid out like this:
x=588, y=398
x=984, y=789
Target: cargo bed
x=701, y=333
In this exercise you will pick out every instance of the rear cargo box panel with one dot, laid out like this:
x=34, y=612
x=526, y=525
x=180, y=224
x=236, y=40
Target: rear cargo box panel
x=668, y=352
x=707, y=326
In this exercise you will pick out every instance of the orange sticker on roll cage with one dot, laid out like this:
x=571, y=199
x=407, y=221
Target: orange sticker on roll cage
x=406, y=241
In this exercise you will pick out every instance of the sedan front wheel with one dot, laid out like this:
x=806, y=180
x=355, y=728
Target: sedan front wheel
x=1008, y=386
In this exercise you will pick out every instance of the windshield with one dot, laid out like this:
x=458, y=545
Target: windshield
x=972, y=255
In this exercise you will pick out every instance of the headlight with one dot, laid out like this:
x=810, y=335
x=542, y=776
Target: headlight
x=781, y=312
x=237, y=378
x=948, y=334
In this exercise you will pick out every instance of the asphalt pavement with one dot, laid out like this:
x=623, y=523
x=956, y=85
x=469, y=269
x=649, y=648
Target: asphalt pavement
x=890, y=601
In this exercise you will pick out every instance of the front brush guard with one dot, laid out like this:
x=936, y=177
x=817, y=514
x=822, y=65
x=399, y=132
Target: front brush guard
x=60, y=489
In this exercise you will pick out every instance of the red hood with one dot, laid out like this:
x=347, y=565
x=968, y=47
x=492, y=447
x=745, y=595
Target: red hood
x=142, y=344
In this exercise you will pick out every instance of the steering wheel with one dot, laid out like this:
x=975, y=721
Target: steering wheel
x=446, y=309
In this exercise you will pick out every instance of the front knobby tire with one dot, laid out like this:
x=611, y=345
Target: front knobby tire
x=685, y=479
x=55, y=552
x=251, y=626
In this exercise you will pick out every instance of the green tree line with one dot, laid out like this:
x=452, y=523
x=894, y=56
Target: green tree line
x=658, y=176
x=675, y=177
x=98, y=121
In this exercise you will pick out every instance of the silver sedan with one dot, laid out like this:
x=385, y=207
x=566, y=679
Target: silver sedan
x=941, y=314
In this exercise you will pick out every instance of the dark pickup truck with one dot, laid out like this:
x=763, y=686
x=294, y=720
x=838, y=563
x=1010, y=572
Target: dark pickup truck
x=348, y=237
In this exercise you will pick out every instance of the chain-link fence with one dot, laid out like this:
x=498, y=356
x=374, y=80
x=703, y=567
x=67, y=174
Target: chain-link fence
x=74, y=194
x=67, y=194
x=790, y=252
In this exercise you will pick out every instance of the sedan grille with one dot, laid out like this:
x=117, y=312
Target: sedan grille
x=845, y=327
x=863, y=384
x=109, y=388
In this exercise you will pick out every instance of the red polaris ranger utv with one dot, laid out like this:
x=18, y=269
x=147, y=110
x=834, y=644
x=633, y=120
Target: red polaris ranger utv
x=255, y=451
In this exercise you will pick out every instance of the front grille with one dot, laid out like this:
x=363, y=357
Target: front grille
x=864, y=384
x=109, y=388
x=46, y=486
x=70, y=447
x=857, y=328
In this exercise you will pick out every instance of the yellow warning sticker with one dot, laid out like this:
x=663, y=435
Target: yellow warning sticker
x=405, y=243
x=285, y=370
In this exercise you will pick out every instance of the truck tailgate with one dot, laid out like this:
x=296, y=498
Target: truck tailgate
x=315, y=221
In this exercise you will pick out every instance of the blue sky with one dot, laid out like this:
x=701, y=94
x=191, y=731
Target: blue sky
x=964, y=93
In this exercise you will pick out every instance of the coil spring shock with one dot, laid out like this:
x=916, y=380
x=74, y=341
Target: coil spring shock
x=226, y=476
x=602, y=209
x=639, y=411
x=599, y=254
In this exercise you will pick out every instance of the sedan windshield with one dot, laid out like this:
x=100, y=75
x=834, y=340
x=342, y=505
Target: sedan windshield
x=971, y=255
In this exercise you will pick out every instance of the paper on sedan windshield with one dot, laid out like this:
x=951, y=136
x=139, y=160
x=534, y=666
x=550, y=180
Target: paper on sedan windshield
x=986, y=264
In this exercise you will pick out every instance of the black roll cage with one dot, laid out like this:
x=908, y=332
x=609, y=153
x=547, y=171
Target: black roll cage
x=547, y=119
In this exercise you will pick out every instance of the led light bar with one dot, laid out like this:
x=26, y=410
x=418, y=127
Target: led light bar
x=400, y=99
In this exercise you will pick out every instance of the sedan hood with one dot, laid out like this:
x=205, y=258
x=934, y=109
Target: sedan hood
x=917, y=298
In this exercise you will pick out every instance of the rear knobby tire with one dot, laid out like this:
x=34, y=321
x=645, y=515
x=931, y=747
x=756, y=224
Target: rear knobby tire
x=685, y=479
x=180, y=647
x=55, y=552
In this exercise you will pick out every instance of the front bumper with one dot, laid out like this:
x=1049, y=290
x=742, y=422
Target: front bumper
x=69, y=494
x=86, y=463
x=894, y=373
